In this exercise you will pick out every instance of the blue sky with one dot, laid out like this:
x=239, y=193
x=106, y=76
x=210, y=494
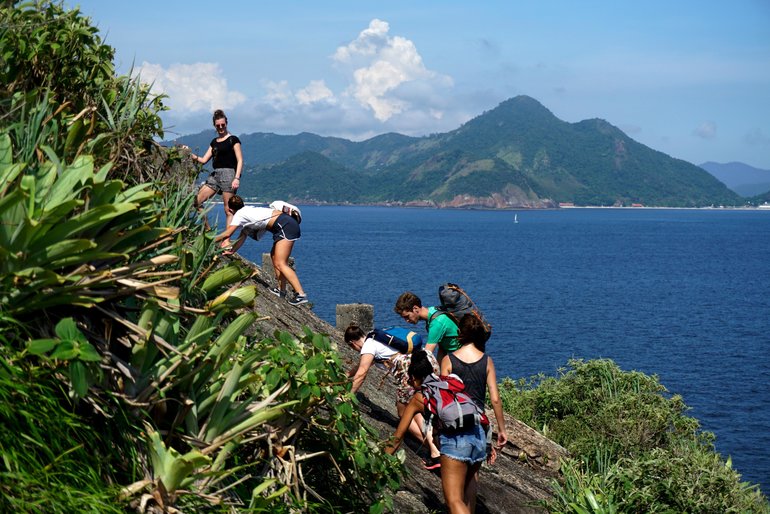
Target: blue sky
x=688, y=78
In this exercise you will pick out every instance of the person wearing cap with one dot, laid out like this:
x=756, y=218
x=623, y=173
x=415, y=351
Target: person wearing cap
x=282, y=220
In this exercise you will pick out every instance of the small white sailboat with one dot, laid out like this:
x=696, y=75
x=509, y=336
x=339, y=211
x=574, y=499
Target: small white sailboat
x=515, y=218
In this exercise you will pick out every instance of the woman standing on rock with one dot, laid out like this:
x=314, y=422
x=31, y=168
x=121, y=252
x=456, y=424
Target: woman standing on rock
x=228, y=165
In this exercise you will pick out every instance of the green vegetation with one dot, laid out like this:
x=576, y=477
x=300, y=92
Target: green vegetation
x=534, y=154
x=633, y=448
x=131, y=375
x=332, y=182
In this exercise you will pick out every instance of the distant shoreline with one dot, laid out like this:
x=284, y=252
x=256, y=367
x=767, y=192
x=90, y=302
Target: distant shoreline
x=765, y=207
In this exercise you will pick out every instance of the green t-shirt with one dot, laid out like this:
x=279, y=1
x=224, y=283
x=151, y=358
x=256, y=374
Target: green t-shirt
x=441, y=331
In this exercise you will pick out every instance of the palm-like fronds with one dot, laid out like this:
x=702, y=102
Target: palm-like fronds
x=115, y=296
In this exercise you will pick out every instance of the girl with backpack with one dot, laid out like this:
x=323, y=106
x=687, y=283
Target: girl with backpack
x=477, y=372
x=462, y=449
x=396, y=364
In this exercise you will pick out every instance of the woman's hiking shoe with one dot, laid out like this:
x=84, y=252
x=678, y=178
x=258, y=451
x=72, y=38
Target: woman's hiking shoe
x=277, y=292
x=298, y=299
x=432, y=463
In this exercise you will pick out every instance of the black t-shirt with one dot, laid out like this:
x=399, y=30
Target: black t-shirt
x=224, y=155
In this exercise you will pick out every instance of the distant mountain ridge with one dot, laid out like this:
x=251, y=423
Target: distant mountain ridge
x=743, y=179
x=516, y=155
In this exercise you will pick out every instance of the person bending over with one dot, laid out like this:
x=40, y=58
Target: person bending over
x=396, y=365
x=283, y=223
x=442, y=331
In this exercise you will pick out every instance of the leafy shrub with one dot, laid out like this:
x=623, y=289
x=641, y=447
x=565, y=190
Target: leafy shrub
x=58, y=90
x=633, y=446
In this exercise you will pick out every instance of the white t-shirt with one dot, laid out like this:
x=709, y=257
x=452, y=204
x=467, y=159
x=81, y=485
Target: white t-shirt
x=253, y=218
x=381, y=352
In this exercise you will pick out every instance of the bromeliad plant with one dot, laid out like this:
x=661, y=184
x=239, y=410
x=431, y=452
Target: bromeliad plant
x=59, y=221
x=151, y=327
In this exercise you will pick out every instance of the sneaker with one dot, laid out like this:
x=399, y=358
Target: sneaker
x=299, y=299
x=432, y=463
x=277, y=292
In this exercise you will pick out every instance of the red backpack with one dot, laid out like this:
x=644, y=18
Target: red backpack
x=449, y=405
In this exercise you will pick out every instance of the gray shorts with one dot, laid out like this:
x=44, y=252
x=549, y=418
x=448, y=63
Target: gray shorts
x=221, y=180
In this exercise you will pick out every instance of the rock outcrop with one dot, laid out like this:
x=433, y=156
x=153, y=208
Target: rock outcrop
x=521, y=475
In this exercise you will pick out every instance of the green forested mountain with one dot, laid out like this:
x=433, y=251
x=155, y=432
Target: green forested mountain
x=516, y=155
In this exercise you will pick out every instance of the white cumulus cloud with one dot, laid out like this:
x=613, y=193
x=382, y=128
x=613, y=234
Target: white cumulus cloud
x=315, y=91
x=191, y=87
x=384, y=67
x=280, y=95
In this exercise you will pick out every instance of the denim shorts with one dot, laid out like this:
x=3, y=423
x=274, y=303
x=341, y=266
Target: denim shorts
x=467, y=446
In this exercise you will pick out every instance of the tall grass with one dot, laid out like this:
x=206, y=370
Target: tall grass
x=52, y=459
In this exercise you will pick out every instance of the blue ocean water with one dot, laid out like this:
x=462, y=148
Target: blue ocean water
x=682, y=294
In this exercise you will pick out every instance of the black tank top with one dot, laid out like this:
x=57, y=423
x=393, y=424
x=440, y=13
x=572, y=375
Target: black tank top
x=474, y=377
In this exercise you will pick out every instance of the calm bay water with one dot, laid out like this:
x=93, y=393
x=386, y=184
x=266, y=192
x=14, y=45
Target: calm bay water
x=682, y=294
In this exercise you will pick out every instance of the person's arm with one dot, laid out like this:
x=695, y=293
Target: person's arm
x=497, y=405
x=238, y=166
x=441, y=354
x=436, y=333
x=363, y=368
x=414, y=407
x=224, y=236
x=202, y=160
x=446, y=365
x=236, y=245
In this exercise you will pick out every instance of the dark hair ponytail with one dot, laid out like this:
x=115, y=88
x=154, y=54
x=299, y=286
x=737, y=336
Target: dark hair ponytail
x=420, y=366
x=235, y=203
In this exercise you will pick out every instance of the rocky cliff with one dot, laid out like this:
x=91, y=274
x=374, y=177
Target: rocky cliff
x=519, y=478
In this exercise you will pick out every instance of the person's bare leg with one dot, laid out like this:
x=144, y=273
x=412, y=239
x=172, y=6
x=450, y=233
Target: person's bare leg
x=280, y=255
x=415, y=428
x=471, y=487
x=228, y=213
x=453, y=473
x=204, y=193
x=418, y=420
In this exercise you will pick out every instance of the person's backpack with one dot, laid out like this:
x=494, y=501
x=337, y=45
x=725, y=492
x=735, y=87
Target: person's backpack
x=456, y=303
x=448, y=405
x=400, y=339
